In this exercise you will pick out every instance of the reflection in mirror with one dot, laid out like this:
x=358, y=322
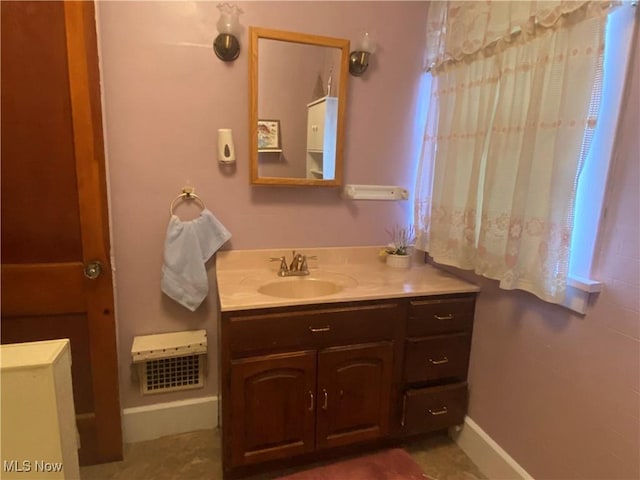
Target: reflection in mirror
x=298, y=98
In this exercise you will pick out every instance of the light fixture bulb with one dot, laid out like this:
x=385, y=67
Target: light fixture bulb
x=226, y=45
x=359, y=58
x=229, y=21
x=366, y=43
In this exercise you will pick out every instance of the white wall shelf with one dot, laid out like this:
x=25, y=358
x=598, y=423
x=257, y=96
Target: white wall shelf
x=375, y=192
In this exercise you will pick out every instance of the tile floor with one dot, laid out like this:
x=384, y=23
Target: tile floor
x=196, y=456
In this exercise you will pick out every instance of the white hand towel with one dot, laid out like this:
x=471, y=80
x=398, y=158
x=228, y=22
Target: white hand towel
x=187, y=247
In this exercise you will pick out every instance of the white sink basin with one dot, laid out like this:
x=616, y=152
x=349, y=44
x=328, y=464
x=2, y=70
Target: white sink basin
x=300, y=287
x=318, y=284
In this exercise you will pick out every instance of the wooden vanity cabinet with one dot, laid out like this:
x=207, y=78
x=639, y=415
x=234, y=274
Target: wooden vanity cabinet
x=306, y=379
x=301, y=381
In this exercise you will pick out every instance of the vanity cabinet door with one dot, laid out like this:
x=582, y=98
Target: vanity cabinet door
x=273, y=406
x=354, y=389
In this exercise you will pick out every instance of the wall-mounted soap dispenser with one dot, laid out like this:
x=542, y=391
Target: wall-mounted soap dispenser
x=226, y=149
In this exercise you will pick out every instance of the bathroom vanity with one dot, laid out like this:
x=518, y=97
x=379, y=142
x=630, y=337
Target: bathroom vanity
x=352, y=356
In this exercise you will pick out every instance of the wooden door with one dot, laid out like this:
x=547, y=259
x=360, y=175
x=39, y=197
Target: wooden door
x=273, y=407
x=54, y=208
x=354, y=392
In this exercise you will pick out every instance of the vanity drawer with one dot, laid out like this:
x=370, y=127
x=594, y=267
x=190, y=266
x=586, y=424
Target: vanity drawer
x=428, y=317
x=441, y=356
x=312, y=328
x=434, y=408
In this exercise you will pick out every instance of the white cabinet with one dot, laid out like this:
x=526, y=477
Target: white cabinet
x=39, y=436
x=322, y=127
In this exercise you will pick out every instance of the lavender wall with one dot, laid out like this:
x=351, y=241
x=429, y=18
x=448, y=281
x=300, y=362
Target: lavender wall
x=165, y=96
x=558, y=391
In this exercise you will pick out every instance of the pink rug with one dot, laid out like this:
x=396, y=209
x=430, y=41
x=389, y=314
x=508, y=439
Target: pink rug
x=394, y=464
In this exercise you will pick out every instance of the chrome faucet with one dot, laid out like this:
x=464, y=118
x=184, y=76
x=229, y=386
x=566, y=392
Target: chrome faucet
x=297, y=267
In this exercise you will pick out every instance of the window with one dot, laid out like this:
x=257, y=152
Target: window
x=593, y=178
x=591, y=182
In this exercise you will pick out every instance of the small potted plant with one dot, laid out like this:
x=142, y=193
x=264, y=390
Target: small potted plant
x=398, y=252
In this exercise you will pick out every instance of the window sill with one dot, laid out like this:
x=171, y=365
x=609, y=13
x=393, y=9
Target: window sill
x=578, y=293
x=579, y=289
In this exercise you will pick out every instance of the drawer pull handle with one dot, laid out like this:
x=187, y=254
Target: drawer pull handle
x=320, y=329
x=448, y=316
x=326, y=399
x=312, y=402
x=442, y=411
x=439, y=362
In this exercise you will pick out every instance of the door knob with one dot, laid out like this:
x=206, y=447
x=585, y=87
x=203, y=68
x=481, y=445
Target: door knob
x=92, y=270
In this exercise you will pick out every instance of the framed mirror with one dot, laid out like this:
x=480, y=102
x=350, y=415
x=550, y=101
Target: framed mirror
x=297, y=103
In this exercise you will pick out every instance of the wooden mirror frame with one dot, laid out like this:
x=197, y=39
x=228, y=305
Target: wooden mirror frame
x=256, y=33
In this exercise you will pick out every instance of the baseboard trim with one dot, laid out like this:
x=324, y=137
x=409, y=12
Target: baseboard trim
x=158, y=420
x=169, y=418
x=489, y=457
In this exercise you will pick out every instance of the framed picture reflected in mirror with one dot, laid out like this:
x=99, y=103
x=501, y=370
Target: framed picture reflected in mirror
x=269, y=136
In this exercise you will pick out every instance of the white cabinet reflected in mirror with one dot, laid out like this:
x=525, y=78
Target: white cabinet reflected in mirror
x=298, y=86
x=322, y=126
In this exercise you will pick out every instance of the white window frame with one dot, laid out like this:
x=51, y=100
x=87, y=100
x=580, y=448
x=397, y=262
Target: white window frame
x=592, y=185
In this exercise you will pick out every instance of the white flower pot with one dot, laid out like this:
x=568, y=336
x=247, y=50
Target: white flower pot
x=398, y=261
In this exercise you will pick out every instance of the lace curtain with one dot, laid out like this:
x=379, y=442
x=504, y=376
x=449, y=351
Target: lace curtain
x=506, y=133
x=459, y=30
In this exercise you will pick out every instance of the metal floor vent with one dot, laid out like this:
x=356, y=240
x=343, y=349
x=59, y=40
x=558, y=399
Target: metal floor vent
x=169, y=362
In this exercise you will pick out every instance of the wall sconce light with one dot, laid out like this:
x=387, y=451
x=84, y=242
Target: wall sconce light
x=359, y=58
x=226, y=44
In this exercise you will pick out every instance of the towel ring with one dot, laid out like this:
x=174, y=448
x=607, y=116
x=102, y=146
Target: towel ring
x=187, y=194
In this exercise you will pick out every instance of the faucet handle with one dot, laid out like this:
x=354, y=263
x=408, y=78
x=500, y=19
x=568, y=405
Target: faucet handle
x=304, y=266
x=283, y=264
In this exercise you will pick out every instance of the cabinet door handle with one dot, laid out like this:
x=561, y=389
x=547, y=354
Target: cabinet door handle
x=439, y=362
x=320, y=329
x=404, y=410
x=442, y=411
x=448, y=316
x=311, y=405
x=326, y=399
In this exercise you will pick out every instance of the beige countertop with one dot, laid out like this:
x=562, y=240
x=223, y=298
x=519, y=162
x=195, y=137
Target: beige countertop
x=360, y=272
